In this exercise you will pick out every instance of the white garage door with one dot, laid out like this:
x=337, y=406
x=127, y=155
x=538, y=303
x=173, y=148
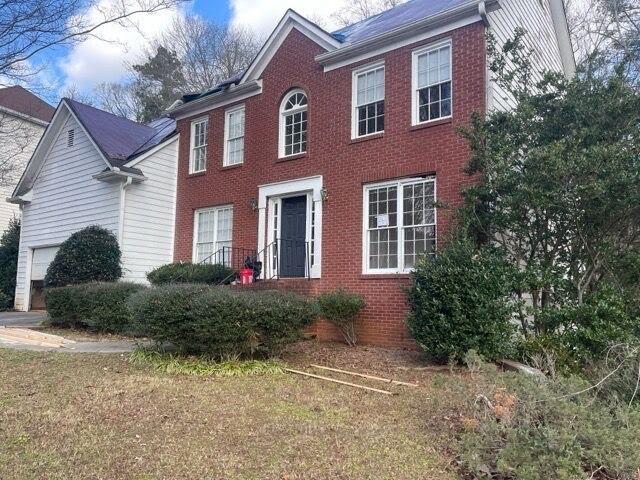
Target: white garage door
x=42, y=257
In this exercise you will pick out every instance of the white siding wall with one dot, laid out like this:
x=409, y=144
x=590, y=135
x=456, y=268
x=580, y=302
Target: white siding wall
x=149, y=215
x=18, y=140
x=535, y=17
x=65, y=199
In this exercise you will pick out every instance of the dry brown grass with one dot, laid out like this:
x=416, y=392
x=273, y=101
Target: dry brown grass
x=66, y=416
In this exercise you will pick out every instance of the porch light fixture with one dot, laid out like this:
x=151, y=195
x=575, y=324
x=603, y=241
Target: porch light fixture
x=254, y=204
x=324, y=194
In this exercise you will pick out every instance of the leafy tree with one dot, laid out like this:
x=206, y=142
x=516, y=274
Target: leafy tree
x=9, y=245
x=159, y=82
x=89, y=255
x=559, y=183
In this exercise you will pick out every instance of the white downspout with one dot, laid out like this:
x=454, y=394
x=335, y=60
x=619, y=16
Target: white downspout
x=123, y=197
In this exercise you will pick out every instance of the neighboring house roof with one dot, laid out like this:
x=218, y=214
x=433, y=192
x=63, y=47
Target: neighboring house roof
x=18, y=99
x=119, y=138
x=120, y=141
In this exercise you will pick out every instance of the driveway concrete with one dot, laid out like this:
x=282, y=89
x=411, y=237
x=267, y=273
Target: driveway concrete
x=22, y=319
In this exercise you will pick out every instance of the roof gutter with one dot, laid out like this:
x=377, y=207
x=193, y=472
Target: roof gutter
x=469, y=9
x=224, y=97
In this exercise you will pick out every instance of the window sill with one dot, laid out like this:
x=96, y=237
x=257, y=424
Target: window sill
x=197, y=174
x=385, y=276
x=372, y=136
x=230, y=167
x=432, y=123
x=291, y=157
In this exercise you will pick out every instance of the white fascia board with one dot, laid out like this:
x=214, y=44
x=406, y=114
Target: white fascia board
x=150, y=152
x=290, y=20
x=408, y=34
x=117, y=174
x=216, y=100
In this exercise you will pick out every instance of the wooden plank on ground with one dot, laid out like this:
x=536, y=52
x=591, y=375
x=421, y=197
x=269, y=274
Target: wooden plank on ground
x=364, y=375
x=355, y=385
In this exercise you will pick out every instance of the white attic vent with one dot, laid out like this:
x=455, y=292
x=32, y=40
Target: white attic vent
x=70, y=137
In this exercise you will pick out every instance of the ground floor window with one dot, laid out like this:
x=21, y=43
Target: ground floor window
x=213, y=231
x=399, y=224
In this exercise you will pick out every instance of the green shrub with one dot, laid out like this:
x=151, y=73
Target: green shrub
x=9, y=245
x=341, y=308
x=95, y=306
x=518, y=428
x=5, y=302
x=219, y=321
x=89, y=255
x=582, y=334
x=460, y=302
x=191, y=273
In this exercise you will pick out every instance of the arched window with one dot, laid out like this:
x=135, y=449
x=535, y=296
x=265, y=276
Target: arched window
x=293, y=124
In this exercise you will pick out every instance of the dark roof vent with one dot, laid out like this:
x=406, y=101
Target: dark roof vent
x=70, y=137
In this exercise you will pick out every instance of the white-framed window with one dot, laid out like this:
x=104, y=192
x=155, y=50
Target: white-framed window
x=234, y=136
x=293, y=124
x=367, y=116
x=399, y=224
x=198, y=158
x=212, y=235
x=431, y=83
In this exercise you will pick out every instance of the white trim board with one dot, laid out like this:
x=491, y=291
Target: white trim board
x=310, y=185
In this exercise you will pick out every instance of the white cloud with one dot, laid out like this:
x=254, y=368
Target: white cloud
x=104, y=58
x=263, y=15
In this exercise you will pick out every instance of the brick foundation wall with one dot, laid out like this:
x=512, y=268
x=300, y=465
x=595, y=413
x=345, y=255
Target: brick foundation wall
x=344, y=164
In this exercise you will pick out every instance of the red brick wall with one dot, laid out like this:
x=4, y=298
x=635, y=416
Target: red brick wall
x=344, y=164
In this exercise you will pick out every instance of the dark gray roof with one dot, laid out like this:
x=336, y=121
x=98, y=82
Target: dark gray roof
x=120, y=139
x=396, y=17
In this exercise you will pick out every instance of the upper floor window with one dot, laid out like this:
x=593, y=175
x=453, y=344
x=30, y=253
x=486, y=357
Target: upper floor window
x=431, y=83
x=293, y=124
x=368, y=101
x=234, y=136
x=198, y=159
x=399, y=223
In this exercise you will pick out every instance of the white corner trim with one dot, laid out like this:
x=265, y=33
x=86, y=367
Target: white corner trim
x=559, y=19
x=290, y=20
x=310, y=185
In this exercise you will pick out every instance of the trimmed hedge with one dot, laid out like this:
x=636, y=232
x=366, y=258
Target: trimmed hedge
x=95, y=306
x=89, y=255
x=186, y=272
x=219, y=321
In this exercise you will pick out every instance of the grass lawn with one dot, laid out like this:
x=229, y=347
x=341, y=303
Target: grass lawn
x=73, y=416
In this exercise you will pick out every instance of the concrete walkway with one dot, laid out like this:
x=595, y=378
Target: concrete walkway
x=22, y=319
x=120, y=346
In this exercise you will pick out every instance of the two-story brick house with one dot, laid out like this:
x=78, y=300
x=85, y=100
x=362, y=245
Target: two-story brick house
x=326, y=155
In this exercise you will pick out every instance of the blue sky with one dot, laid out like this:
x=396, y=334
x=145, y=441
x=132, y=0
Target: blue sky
x=83, y=66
